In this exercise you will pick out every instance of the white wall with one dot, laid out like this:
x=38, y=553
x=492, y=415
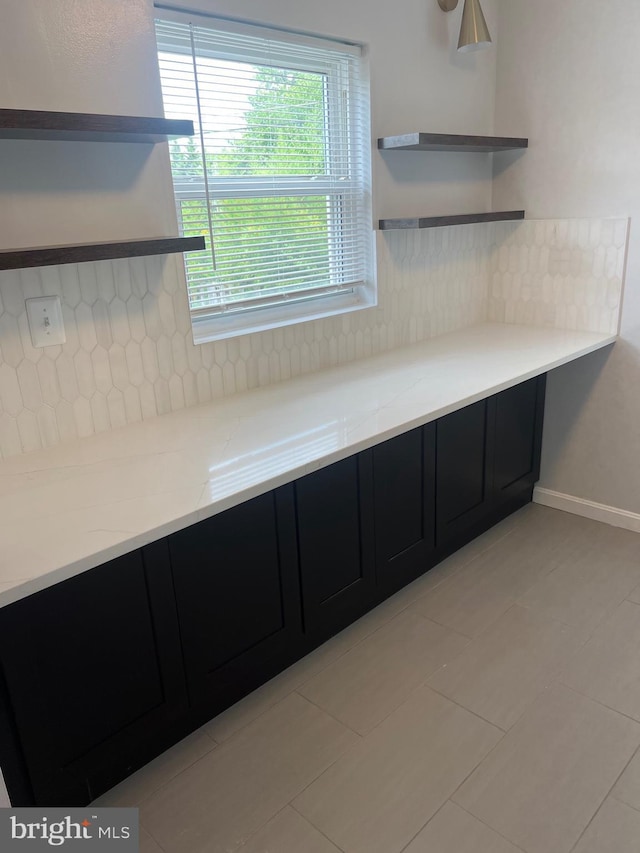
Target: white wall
x=80, y=56
x=568, y=78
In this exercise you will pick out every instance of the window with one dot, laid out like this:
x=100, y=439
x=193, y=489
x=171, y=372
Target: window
x=277, y=177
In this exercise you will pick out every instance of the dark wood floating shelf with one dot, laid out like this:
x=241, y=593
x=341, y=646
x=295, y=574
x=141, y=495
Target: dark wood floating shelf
x=450, y=142
x=441, y=221
x=17, y=259
x=87, y=127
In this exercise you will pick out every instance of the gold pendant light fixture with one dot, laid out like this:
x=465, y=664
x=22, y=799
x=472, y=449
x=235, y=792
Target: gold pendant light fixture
x=474, y=33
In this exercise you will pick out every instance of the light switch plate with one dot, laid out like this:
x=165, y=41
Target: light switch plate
x=45, y=321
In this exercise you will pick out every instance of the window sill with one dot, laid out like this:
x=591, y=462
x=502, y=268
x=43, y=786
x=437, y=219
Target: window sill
x=218, y=328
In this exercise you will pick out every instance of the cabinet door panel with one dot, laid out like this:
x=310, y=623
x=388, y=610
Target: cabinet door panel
x=333, y=508
x=463, y=470
x=518, y=437
x=236, y=590
x=105, y=667
x=404, y=486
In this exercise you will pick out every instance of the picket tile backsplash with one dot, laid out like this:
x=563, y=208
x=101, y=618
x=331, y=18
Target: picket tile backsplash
x=129, y=354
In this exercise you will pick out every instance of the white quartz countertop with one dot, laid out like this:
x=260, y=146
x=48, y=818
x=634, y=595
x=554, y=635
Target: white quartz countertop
x=75, y=506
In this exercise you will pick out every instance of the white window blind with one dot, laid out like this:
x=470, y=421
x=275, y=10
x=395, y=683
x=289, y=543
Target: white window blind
x=277, y=176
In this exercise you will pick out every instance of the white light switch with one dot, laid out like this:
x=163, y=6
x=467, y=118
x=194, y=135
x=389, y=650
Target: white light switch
x=45, y=321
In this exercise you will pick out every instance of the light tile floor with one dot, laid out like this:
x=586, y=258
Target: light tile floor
x=493, y=706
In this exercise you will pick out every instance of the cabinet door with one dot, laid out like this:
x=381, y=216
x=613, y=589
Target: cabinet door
x=463, y=478
x=404, y=495
x=93, y=670
x=236, y=585
x=518, y=428
x=334, y=514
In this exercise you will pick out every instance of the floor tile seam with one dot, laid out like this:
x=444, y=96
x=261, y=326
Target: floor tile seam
x=203, y=729
x=463, y=565
x=312, y=824
x=452, y=795
x=492, y=828
x=566, y=561
x=609, y=645
x=261, y=827
x=506, y=730
x=374, y=631
x=482, y=552
x=597, y=811
x=539, y=617
x=618, y=798
x=608, y=793
x=448, y=627
x=558, y=680
x=171, y=778
x=556, y=673
x=241, y=728
x=442, y=581
x=271, y=816
x=620, y=775
x=329, y=714
x=424, y=683
x=598, y=702
x=532, y=610
x=298, y=685
x=313, y=781
x=369, y=731
x=152, y=836
x=177, y=775
x=348, y=650
x=424, y=826
x=502, y=730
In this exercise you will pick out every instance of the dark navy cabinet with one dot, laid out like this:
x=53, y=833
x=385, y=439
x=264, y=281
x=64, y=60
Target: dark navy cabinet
x=91, y=679
x=404, y=498
x=238, y=600
x=334, y=519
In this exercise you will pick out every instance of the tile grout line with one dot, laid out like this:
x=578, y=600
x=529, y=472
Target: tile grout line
x=411, y=840
x=299, y=684
x=589, y=631
x=493, y=829
x=329, y=714
x=473, y=770
x=317, y=829
x=606, y=797
x=614, y=796
x=618, y=777
x=597, y=702
x=260, y=828
x=177, y=775
x=273, y=817
x=468, y=710
x=553, y=679
x=151, y=835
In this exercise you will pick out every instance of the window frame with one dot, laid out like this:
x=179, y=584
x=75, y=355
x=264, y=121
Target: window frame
x=335, y=299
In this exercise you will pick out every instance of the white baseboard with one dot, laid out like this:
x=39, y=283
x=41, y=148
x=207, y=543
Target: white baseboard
x=589, y=509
